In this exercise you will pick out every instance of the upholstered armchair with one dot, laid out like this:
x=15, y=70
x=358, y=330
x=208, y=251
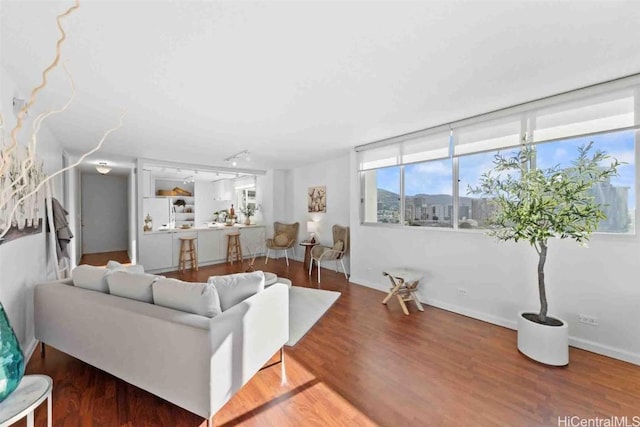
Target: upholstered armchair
x=334, y=253
x=284, y=237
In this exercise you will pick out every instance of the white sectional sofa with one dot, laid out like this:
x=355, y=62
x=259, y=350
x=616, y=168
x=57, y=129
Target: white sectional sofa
x=194, y=361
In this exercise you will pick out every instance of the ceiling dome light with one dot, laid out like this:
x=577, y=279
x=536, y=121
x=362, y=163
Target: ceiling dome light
x=103, y=168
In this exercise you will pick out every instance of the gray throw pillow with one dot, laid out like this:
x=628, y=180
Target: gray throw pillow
x=196, y=298
x=90, y=277
x=133, y=268
x=132, y=286
x=235, y=288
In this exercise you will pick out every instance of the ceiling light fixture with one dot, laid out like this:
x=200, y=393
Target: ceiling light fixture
x=103, y=168
x=233, y=160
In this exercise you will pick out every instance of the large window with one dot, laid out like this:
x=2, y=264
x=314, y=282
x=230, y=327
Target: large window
x=382, y=193
x=617, y=195
x=423, y=179
x=428, y=194
x=473, y=210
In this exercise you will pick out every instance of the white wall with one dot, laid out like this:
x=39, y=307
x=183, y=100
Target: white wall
x=105, y=213
x=334, y=174
x=23, y=261
x=132, y=235
x=501, y=280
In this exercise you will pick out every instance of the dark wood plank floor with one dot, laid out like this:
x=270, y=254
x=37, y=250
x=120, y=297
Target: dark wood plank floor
x=101, y=259
x=368, y=364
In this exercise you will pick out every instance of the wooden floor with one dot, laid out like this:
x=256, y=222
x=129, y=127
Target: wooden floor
x=368, y=364
x=101, y=259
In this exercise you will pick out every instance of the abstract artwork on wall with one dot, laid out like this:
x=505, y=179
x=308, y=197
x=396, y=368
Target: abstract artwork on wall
x=317, y=199
x=20, y=210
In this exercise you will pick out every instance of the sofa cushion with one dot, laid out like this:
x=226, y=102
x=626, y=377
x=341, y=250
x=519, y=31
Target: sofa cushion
x=95, y=278
x=197, y=298
x=134, y=268
x=281, y=239
x=235, y=288
x=90, y=277
x=132, y=286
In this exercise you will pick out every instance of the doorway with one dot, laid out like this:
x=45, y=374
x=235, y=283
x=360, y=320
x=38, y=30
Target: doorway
x=105, y=216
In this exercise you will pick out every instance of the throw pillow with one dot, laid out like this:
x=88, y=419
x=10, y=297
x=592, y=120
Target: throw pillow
x=196, y=298
x=338, y=246
x=134, y=268
x=235, y=288
x=90, y=277
x=132, y=286
x=281, y=239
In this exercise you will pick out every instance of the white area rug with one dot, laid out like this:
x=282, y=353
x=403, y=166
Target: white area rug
x=306, y=307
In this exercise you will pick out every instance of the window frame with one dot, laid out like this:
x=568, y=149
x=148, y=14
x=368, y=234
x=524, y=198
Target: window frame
x=527, y=113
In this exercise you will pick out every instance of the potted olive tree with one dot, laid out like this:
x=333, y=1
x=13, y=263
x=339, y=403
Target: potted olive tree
x=535, y=205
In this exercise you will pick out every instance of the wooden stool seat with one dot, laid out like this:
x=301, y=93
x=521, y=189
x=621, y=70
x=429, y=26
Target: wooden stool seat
x=188, y=247
x=234, y=250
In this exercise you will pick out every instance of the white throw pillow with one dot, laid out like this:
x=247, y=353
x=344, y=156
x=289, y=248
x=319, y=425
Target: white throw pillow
x=235, y=288
x=132, y=286
x=134, y=268
x=90, y=277
x=197, y=298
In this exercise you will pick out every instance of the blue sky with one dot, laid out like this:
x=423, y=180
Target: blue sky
x=619, y=145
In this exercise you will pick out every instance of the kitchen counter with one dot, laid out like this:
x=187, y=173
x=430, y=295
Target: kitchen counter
x=160, y=249
x=214, y=228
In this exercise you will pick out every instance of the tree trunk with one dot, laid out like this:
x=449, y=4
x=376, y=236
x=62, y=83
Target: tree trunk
x=541, y=289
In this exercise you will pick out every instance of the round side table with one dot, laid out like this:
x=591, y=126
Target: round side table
x=307, y=252
x=31, y=391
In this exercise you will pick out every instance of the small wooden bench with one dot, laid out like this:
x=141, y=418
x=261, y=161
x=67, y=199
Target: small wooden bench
x=404, y=285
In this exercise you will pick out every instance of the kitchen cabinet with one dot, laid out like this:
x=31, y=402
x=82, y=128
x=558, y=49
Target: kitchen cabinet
x=252, y=241
x=209, y=246
x=156, y=251
x=160, y=251
x=224, y=189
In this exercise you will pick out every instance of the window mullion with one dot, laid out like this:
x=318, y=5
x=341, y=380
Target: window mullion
x=401, y=195
x=456, y=192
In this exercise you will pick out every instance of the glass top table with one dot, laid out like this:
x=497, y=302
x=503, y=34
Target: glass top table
x=31, y=391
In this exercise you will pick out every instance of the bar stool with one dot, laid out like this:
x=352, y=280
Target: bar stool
x=234, y=250
x=188, y=247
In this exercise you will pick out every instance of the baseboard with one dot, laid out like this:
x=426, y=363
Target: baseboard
x=478, y=315
x=29, y=350
x=580, y=343
x=605, y=350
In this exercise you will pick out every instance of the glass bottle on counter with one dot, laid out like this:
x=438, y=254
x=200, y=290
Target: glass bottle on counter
x=148, y=223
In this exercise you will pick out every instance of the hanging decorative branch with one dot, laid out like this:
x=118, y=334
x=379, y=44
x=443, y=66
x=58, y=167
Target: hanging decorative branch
x=21, y=175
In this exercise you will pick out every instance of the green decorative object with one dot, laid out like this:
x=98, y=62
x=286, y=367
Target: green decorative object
x=11, y=358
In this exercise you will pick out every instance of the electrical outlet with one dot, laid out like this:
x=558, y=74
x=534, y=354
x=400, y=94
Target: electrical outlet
x=589, y=320
x=463, y=292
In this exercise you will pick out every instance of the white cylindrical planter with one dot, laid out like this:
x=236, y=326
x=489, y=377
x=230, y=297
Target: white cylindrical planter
x=542, y=343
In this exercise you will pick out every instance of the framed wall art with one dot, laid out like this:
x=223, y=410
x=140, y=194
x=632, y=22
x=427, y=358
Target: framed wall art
x=317, y=199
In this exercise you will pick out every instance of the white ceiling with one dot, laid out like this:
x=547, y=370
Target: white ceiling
x=297, y=82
